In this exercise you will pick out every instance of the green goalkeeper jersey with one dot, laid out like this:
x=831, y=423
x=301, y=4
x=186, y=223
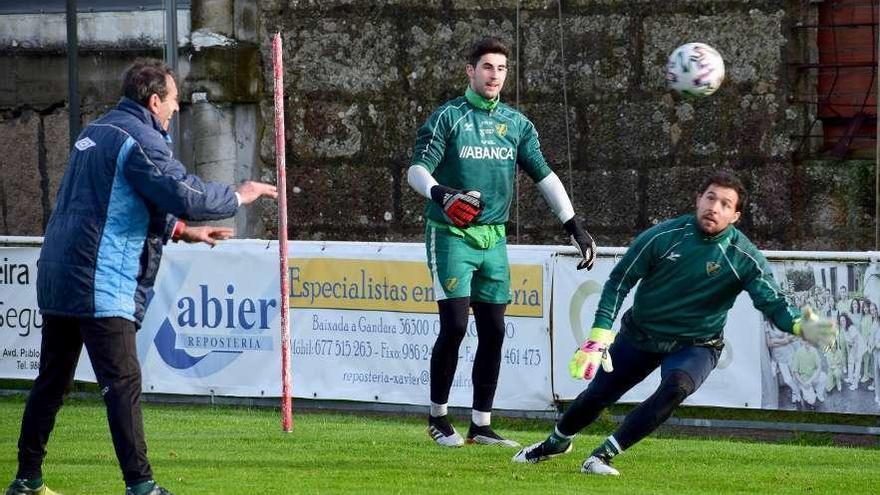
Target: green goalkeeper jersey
x=471, y=143
x=689, y=281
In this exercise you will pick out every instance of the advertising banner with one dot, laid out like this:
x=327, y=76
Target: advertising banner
x=212, y=322
x=364, y=322
x=736, y=382
x=20, y=320
x=845, y=379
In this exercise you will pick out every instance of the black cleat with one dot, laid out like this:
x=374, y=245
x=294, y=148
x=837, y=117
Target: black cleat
x=541, y=451
x=484, y=435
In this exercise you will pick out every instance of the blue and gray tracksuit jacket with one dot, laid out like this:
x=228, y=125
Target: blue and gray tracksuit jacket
x=120, y=197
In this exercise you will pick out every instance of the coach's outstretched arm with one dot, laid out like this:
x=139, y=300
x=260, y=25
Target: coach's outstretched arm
x=245, y=193
x=249, y=191
x=208, y=234
x=554, y=193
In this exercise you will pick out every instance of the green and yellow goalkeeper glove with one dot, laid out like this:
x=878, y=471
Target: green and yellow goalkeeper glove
x=818, y=331
x=585, y=362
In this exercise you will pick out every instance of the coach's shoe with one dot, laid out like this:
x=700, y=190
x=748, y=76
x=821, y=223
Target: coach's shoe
x=443, y=433
x=484, y=435
x=152, y=487
x=20, y=487
x=541, y=451
x=597, y=465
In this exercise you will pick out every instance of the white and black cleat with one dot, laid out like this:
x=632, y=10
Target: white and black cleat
x=442, y=432
x=538, y=452
x=596, y=465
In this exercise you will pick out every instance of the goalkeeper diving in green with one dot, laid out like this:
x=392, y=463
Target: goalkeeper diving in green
x=690, y=270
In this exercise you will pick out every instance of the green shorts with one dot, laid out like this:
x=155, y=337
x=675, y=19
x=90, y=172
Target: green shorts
x=459, y=269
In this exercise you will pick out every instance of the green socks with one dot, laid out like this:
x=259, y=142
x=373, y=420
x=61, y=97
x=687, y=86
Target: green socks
x=142, y=488
x=33, y=483
x=608, y=449
x=558, y=441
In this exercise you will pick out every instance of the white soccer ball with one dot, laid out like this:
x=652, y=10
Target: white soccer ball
x=695, y=69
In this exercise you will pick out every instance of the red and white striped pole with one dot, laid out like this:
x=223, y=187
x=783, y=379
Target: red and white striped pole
x=280, y=165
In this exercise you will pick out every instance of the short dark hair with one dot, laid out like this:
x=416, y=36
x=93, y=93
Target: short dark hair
x=144, y=78
x=726, y=178
x=490, y=44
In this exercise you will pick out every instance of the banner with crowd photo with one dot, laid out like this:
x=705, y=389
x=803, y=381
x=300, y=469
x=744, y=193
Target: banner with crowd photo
x=799, y=376
x=20, y=320
x=736, y=382
x=364, y=321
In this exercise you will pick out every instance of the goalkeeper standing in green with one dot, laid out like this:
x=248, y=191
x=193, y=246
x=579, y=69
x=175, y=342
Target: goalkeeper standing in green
x=464, y=161
x=691, y=269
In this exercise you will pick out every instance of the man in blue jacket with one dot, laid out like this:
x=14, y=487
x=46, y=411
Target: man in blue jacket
x=123, y=196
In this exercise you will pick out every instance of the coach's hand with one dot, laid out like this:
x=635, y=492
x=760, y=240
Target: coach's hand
x=462, y=207
x=583, y=241
x=585, y=362
x=249, y=191
x=818, y=331
x=205, y=233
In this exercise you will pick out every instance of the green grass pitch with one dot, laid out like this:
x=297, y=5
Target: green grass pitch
x=237, y=450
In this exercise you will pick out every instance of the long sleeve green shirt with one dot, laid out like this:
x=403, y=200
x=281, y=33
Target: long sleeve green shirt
x=689, y=281
x=471, y=143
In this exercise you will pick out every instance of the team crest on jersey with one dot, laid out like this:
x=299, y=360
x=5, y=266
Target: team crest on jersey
x=713, y=268
x=501, y=129
x=450, y=284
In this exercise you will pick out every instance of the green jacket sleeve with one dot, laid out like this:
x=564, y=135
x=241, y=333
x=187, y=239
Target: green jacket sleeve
x=634, y=265
x=431, y=142
x=529, y=155
x=766, y=295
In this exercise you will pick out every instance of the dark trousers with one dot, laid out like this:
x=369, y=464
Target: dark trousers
x=489, y=320
x=111, y=346
x=681, y=374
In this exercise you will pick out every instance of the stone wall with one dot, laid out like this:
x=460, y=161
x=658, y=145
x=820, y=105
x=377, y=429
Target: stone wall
x=219, y=60
x=34, y=123
x=362, y=76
